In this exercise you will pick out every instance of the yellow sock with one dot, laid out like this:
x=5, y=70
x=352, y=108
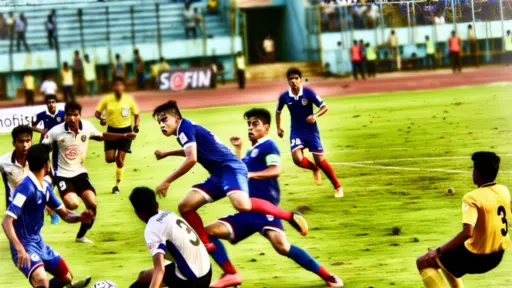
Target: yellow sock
x=119, y=175
x=432, y=278
x=454, y=282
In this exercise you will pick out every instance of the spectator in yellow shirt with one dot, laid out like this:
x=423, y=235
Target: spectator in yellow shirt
x=67, y=83
x=28, y=85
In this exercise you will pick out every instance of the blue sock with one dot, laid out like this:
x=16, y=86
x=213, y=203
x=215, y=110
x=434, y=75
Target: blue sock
x=219, y=254
x=55, y=284
x=301, y=257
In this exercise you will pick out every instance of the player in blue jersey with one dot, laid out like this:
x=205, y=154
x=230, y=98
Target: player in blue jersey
x=263, y=163
x=51, y=117
x=201, y=146
x=25, y=218
x=304, y=130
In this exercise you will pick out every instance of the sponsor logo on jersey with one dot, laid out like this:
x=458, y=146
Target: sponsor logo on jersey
x=58, y=119
x=73, y=152
x=84, y=138
x=304, y=102
x=35, y=257
x=254, y=153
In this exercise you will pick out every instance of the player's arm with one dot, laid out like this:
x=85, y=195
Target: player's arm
x=34, y=126
x=237, y=144
x=163, y=154
x=136, y=117
x=69, y=216
x=101, y=107
x=185, y=166
x=280, y=105
x=458, y=240
x=23, y=257
x=273, y=169
x=158, y=270
x=320, y=104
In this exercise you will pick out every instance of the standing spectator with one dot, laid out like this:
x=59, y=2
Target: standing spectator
x=10, y=24
x=21, y=29
x=78, y=73
x=48, y=87
x=362, y=52
x=4, y=28
x=508, y=48
x=431, y=52
x=240, y=69
x=212, y=6
x=119, y=68
x=439, y=19
x=454, y=45
x=473, y=46
x=67, y=83
x=218, y=70
x=90, y=76
x=198, y=20
x=371, y=60
x=269, y=48
x=189, y=19
x=357, y=65
x=138, y=64
x=28, y=85
x=395, y=51
x=50, y=29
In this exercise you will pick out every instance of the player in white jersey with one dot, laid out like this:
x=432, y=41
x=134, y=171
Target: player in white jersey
x=13, y=165
x=71, y=140
x=167, y=233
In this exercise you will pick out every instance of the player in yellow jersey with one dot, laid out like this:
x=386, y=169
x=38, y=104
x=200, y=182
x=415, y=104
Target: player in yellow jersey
x=480, y=246
x=119, y=109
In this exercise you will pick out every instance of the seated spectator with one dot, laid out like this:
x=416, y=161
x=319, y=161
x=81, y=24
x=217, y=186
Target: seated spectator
x=163, y=66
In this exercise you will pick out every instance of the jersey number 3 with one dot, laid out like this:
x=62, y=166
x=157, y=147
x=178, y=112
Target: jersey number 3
x=190, y=232
x=503, y=213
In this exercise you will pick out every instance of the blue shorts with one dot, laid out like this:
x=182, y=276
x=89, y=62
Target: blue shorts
x=310, y=141
x=40, y=255
x=227, y=181
x=244, y=224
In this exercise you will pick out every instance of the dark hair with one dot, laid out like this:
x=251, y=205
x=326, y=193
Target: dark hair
x=136, y=51
x=72, y=106
x=170, y=106
x=118, y=56
x=487, y=164
x=295, y=71
x=117, y=79
x=49, y=97
x=144, y=200
x=260, y=113
x=86, y=56
x=76, y=52
x=65, y=64
x=427, y=37
x=162, y=59
x=22, y=129
x=37, y=156
x=470, y=26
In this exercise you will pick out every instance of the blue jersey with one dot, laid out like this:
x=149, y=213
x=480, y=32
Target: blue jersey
x=49, y=121
x=27, y=207
x=300, y=106
x=265, y=153
x=211, y=153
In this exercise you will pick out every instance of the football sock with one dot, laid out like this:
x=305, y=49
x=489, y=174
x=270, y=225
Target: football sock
x=454, y=282
x=432, y=278
x=140, y=285
x=119, y=175
x=265, y=207
x=194, y=220
x=55, y=284
x=306, y=164
x=330, y=173
x=221, y=256
x=85, y=227
x=301, y=257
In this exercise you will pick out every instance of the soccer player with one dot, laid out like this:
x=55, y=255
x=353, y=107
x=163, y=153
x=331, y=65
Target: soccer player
x=119, y=108
x=263, y=163
x=167, y=233
x=25, y=218
x=304, y=131
x=200, y=145
x=479, y=247
x=50, y=118
x=71, y=140
x=13, y=165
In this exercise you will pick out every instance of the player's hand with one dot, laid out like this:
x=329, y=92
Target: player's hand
x=311, y=119
x=250, y=175
x=23, y=258
x=49, y=211
x=87, y=216
x=136, y=129
x=130, y=136
x=103, y=122
x=161, y=190
x=236, y=141
x=44, y=131
x=280, y=132
x=160, y=155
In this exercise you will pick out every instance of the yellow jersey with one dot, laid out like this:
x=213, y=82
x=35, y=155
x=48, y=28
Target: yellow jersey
x=119, y=112
x=486, y=208
x=28, y=82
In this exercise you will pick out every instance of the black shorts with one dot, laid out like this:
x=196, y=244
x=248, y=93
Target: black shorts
x=461, y=261
x=78, y=184
x=121, y=145
x=171, y=280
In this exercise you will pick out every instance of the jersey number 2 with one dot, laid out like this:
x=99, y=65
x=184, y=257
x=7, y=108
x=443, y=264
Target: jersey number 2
x=189, y=230
x=503, y=213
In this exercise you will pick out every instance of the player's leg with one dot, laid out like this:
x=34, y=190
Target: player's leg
x=67, y=192
x=297, y=147
x=88, y=196
x=315, y=146
x=121, y=155
x=38, y=278
x=145, y=277
x=71, y=200
x=429, y=272
x=222, y=230
x=188, y=209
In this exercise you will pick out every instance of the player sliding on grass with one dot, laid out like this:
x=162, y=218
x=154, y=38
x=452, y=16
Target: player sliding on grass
x=263, y=163
x=200, y=145
x=480, y=246
x=304, y=130
x=25, y=218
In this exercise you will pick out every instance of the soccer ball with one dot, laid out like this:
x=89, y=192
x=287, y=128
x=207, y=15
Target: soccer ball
x=104, y=284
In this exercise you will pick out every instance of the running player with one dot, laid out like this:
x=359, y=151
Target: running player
x=24, y=220
x=50, y=118
x=304, y=131
x=480, y=246
x=119, y=108
x=167, y=233
x=13, y=165
x=70, y=176
x=200, y=145
x=263, y=162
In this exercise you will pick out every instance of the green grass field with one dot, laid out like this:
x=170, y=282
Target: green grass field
x=421, y=143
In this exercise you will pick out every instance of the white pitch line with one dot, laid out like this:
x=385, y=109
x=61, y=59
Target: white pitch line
x=409, y=168
x=418, y=158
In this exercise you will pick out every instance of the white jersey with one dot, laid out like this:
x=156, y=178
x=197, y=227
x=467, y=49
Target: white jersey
x=168, y=233
x=48, y=88
x=70, y=150
x=12, y=174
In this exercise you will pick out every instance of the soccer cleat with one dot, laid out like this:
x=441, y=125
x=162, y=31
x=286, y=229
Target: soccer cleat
x=210, y=247
x=338, y=192
x=228, y=280
x=318, y=176
x=82, y=283
x=299, y=223
x=115, y=190
x=83, y=240
x=333, y=281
